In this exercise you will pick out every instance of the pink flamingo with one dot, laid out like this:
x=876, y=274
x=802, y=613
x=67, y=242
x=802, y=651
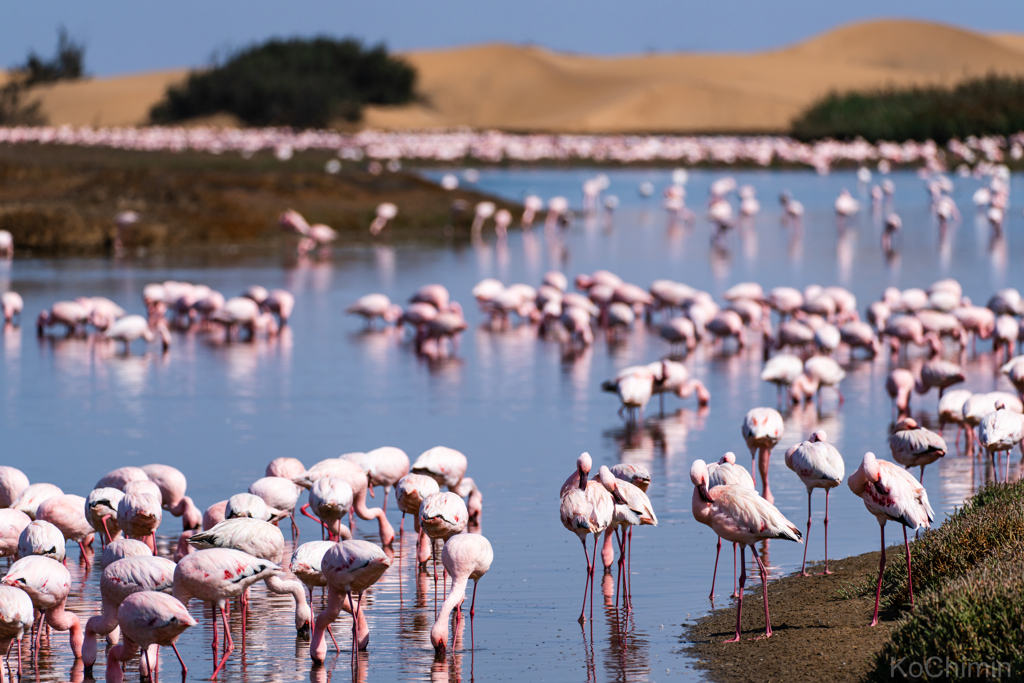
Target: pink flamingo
x=12, y=483
x=12, y=305
x=913, y=445
x=286, y=467
x=410, y=492
x=172, y=484
x=465, y=557
x=1001, y=430
x=281, y=302
x=16, y=617
x=724, y=472
x=214, y=515
x=900, y=385
x=330, y=500
x=890, y=493
x=587, y=509
x=119, y=580
x=48, y=584
x=762, y=430
x=101, y=511
x=279, y=493
x=634, y=473
x=251, y=506
x=350, y=567
x=632, y=508
x=373, y=306
x=120, y=548
x=819, y=466
x=442, y=515
x=12, y=523
x=216, y=575
x=41, y=538
x=444, y=465
x=385, y=466
x=133, y=327
x=32, y=496
x=146, y=619
x=738, y=514
x=356, y=478
x=467, y=489
x=139, y=515
x=307, y=565
x=67, y=513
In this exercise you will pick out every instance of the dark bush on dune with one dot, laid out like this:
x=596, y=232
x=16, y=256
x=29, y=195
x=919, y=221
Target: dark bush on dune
x=299, y=82
x=993, y=105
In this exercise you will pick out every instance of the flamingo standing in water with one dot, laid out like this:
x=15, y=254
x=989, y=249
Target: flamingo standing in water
x=385, y=466
x=16, y=617
x=307, y=565
x=738, y=514
x=410, y=492
x=101, y=511
x=139, y=515
x=350, y=567
x=762, y=429
x=41, y=538
x=330, y=499
x=912, y=445
x=632, y=508
x=67, y=513
x=724, y=472
x=48, y=584
x=587, y=508
x=819, y=466
x=465, y=557
x=891, y=493
x=280, y=494
x=444, y=465
x=215, y=575
x=13, y=483
x=120, y=579
x=146, y=619
x=12, y=523
x=172, y=484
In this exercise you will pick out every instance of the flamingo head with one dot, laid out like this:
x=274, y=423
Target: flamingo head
x=729, y=457
x=699, y=477
x=872, y=471
x=607, y=479
x=303, y=616
x=906, y=423
x=818, y=436
x=583, y=466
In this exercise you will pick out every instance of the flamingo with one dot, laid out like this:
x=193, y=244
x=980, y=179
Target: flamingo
x=215, y=575
x=782, y=370
x=172, y=484
x=465, y=557
x=819, y=465
x=951, y=409
x=251, y=506
x=442, y=515
x=350, y=567
x=12, y=523
x=386, y=211
x=139, y=515
x=285, y=467
x=356, y=478
x=819, y=371
x=738, y=514
x=939, y=373
x=12, y=483
x=467, y=489
x=214, y=515
x=307, y=565
x=67, y=513
x=119, y=580
x=16, y=616
x=385, y=466
x=373, y=306
x=279, y=493
x=900, y=385
x=101, y=511
x=634, y=473
x=634, y=386
x=146, y=619
x=121, y=548
x=29, y=500
x=913, y=445
x=42, y=538
x=762, y=430
x=410, y=492
x=48, y=584
x=132, y=327
x=7, y=244
x=587, y=509
x=330, y=499
x=1001, y=430
x=632, y=508
x=890, y=493
x=672, y=376
x=725, y=471
x=444, y=465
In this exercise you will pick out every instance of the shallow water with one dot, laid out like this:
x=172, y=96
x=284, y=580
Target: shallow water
x=74, y=409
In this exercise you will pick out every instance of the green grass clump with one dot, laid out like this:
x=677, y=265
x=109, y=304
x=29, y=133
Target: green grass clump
x=993, y=105
x=978, y=618
x=302, y=83
x=990, y=522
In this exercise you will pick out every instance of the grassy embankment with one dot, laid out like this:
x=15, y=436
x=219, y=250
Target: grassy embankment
x=62, y=200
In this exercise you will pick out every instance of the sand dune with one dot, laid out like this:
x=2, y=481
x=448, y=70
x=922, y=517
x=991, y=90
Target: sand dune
x=533, y=89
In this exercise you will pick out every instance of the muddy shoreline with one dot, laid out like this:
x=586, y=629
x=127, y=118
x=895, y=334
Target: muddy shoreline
x=60, y=201
x=818, y=633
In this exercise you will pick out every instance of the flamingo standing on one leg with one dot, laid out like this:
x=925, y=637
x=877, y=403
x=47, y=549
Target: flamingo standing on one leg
x=16, y=617
x=762, y=429
x=914, y=446
x=466, y=557
x=891, y=493
x=819, y=465
x=147, y=618
x=738, y=514
x=349, y=568
x=48, y=584
x=216, y=575
x=586, y=509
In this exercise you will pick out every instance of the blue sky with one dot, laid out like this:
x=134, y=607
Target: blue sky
x=123, y=36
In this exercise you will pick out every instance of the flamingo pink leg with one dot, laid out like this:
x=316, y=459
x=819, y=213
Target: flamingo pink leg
x=807, y=538
x=764, y=586
x=739, y=604
x=229, y=645
x=592, y=566
x=735, y=590
x=878, y=590
x=910, y=576
x=586, y=584
x=184, y=669
x=826, y=532
x=715, y=574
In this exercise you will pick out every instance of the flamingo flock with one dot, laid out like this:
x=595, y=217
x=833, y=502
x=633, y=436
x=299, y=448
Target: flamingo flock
x=223, y=551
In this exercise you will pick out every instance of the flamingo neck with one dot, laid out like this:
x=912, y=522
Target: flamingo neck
x=439, y=632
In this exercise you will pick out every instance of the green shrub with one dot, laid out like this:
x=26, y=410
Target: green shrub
x=67, y=64
x=993, y=105
x=298, y=82
x=978, y=618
